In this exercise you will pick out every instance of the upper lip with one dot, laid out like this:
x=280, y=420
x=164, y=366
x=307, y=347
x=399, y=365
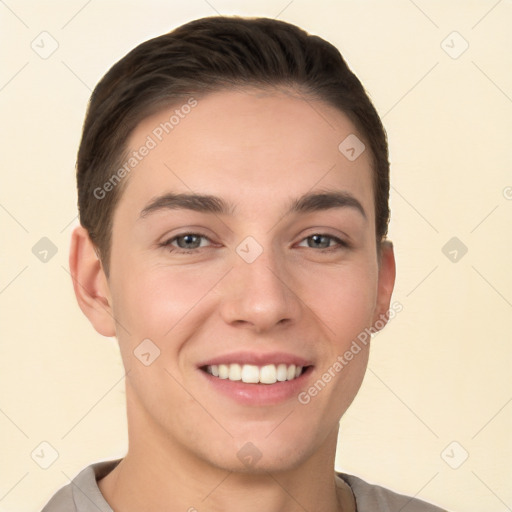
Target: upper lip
x=256, y=358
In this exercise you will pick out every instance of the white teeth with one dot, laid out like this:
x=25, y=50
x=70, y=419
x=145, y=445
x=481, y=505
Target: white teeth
x=290, y=374
x=282, y=372
x=268, y=374
x=223, y=371
x=252, y=374
x=235, y=372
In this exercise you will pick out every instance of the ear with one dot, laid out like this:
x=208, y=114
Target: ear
x=387, y=273
x=90, y=283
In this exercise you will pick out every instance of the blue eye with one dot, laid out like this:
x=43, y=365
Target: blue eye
x=320, y=241
x=187, y=242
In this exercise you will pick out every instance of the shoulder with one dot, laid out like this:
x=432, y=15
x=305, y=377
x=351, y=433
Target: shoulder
x=82, y=494
x=61, y=501
x=374, y=498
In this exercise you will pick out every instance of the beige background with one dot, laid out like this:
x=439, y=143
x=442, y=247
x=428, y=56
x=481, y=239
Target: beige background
x=440, y=372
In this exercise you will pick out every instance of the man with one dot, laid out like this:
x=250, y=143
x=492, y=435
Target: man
x=233, y=184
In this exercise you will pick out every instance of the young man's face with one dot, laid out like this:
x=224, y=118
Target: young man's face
x=258, y=284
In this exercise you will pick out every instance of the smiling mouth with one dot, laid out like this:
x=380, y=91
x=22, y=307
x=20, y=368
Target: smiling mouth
x=253, y=374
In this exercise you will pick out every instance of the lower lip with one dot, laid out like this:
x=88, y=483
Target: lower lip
x=259, y=394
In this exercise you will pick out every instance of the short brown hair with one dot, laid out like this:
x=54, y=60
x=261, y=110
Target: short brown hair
x=207, y=55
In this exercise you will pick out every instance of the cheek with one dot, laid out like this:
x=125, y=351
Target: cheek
x=345, y=309
x=345, y=300
x=154, y=301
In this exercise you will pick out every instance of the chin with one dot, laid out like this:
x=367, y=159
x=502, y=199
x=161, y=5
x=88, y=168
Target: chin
x=258, y=455
x=275, y=463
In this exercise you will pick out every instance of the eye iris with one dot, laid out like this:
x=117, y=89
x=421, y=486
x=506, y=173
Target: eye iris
x=317, y=240
x=195, y=240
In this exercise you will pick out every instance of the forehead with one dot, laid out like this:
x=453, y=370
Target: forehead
x=250, y=147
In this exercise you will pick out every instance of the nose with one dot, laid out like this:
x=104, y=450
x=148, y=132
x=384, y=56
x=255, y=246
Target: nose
x=260, y=295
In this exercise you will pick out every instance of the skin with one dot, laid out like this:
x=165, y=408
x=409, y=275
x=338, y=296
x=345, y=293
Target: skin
x=257, y=150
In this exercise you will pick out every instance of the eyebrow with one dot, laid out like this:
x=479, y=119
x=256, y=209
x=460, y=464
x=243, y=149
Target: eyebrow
x=205, y=203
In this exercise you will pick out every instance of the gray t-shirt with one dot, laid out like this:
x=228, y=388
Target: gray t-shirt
x=84, y=495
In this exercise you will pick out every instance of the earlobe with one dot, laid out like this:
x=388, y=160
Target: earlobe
x=90, y=283
x=387, y=274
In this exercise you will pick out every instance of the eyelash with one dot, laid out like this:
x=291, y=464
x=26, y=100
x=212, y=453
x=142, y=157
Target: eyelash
x=167, y=244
